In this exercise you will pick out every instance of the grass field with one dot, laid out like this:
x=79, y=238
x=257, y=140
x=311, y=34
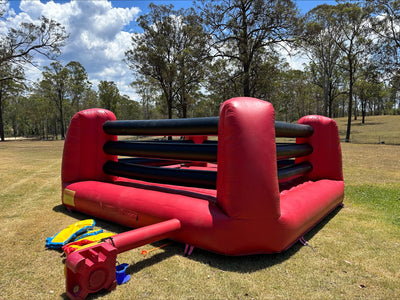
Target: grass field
x=355, y=252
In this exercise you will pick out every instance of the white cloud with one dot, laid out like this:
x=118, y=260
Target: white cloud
x=98, y=39
x=3, y=28
x=297, y=60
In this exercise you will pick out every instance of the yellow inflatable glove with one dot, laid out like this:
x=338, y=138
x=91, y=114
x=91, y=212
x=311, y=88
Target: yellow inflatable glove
x=68, y=234
x=85, y=242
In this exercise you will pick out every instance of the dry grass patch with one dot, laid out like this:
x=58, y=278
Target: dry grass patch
x=356, y=251
x=371, y=164
x=376, y=129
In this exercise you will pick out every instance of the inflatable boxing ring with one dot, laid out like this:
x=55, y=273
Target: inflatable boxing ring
x=242, y=192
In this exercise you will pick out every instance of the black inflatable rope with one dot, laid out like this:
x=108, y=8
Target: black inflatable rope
x=184, y=177
x=191, y=126
x=186, y=151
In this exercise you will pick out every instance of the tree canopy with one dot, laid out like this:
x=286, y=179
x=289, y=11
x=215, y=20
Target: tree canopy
x=242, y=29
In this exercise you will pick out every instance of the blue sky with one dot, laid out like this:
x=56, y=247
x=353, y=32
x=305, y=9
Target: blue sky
x=100, y=33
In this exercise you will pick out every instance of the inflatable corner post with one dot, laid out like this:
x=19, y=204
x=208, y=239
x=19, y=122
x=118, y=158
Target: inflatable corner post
x=241, y=193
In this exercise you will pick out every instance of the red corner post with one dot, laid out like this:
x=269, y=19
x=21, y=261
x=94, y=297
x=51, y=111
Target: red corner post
x=247, y=181
x=326, y=157
x=92, y=269
x=83, y=155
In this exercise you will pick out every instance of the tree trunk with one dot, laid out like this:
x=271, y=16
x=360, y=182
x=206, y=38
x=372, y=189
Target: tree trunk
x=1, y=116
x=363, y=109
x=246, y=80
x=55, y=128
x=350, y=107
x=184, y=108
x=355, y=109
x=169, y=104
x=326, y=97
x=60, y=99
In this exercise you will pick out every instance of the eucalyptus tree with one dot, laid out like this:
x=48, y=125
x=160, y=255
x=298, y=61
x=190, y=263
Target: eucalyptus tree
x=349, y=28
x=267, y=77
x=367, y=88
x=221, y=84
x=318, y=42
x=173, y=52
x=148, y=92
x=3, y=8
x=354, y=41
x=242, y=29
x=386, y=27
x=19, y=44
x=37, y=113
x=55, y=83
x=78, y=83
x=9, y=89
x=108, y=95
x=90, y=99
x=192, y=47
x=128, y=109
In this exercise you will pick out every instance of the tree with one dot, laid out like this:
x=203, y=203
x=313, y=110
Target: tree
x=8, y=88
x=242, y=29
x=193, y=55
x=3, y=8
x=353, y=40
x=148, y=91
x=128, y=109
x=36, y=114
x=55, y=82
x=267, y=76
x=395, y=93
x=20, y=44
x=318, y=42
x=78, y=83
x=108, y=95
x=349, y=28
x=367, y=88
x=386, y=26
x=90, y=99
x=172, y=51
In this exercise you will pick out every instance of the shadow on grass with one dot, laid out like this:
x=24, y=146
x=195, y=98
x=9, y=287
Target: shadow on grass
x=366, y=123
x=252, y=263
x=240, y=264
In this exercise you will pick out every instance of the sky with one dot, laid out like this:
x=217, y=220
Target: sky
x=100, y=33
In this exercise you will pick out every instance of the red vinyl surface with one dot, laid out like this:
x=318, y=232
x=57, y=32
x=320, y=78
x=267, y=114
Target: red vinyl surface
x=246, y=214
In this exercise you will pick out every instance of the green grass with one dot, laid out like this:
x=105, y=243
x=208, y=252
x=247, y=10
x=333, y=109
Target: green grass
x=355, y=252
x=385, y=200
